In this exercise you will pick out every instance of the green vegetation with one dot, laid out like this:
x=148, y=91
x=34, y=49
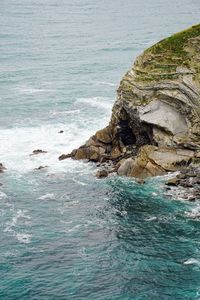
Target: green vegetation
x=162, y=59
x=175, y=43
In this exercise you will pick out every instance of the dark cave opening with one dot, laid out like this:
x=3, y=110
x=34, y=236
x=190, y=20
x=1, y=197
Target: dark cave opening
x=136, y=133
x=126, y=133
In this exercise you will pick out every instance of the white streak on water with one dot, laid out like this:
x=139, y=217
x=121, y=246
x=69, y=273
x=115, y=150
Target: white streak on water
x=47, y=196
x=28, y=90
x=24, y=238
x=65, y=112
x=192, y=261
x=79, y=182
x=99, y=102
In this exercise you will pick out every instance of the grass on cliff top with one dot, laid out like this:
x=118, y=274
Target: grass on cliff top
x=161, y=60
x=175, y=43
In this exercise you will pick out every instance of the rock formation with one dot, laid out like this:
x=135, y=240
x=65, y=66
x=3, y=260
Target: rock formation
x=2, y=168
x=38, y=151
x=155, y=123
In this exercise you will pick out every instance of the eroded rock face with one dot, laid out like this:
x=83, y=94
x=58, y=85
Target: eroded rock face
x=157, y=112
x=152, y=161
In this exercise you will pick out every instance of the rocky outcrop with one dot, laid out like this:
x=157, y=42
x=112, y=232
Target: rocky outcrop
x=38, y=151
x=155, y=123
x=2, y=168
x=152, y=160
x=186, y=184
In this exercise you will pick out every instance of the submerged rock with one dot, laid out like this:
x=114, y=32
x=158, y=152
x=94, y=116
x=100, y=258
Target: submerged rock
x=41, y=167
x=155, y=123
x=38, y=151
x=102, y=174
x=187, y=183
x=2, y=168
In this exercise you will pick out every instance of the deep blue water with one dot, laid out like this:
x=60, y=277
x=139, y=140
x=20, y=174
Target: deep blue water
x=64, y=233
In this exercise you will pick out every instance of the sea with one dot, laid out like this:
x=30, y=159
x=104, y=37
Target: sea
x=64, y=234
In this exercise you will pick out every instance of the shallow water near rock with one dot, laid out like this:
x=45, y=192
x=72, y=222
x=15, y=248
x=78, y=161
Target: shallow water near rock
x=64, y=233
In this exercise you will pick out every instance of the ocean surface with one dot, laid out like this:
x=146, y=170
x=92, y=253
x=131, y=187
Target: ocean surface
x=64, y=233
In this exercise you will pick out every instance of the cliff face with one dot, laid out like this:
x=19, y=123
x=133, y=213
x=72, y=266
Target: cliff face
x=155, y=123
x=163, y=86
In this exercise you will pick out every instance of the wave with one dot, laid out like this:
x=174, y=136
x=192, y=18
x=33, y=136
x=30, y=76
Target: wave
x=65, y=112
x=98, y=102
x=105, y=83
x=3, y=195
x=194, y=213
x=79, y=182
x=20, y=214
x=24, y=238
x=192, y=261
x=47, y=196
x=18, y=143
x=26, y=90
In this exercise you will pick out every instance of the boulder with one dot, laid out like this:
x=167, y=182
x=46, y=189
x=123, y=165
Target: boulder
x=64, y=156
x=38, y=151
x=2, y=168
x=104, y=135
x=173, y=181
x=102, y=174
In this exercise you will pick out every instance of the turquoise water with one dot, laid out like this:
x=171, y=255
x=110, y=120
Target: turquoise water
x=64, y=233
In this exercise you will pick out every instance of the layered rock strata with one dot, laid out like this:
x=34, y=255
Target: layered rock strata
x=155, y=123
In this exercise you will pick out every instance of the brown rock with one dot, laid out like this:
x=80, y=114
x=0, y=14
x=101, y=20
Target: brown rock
x=140, y=181
x=64, y=156
x=125, y=167
x=38, y=151
x=115, y=153
x=94, y=157
x=2, y=168
x=186, y=184
x=102, y=174
x=104, y=135
x=173, y=181
x=81, y=153
x=191, y=198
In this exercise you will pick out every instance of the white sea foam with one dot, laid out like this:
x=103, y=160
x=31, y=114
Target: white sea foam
x=105, y=83
x=24, y=238
x=18, y=143
x=20, y=214
x=192, y=261
x=79, y=182
x=47, y=196
x=14, y=220
x=65, y=112
x=99, y=102
x=74, y=228
x=28, y=90
x=3, y=195
x=194, y=213
x=151, y=219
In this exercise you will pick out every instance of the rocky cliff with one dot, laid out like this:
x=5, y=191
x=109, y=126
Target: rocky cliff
x=155, y=123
